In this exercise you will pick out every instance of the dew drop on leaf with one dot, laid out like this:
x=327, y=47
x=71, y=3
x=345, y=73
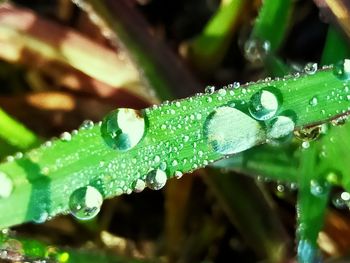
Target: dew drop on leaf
x=228, y=130
x=87, y=125
x=280, y=127
x=85, y=202
x=263, y=105
x=310, y=68
x=66, y=136
x=313, y=101
x=122, y=129
x=209, y=89
x=156, y=179
x=6, y=185
x=138, y=185
x=256, y=50
x=342, y=69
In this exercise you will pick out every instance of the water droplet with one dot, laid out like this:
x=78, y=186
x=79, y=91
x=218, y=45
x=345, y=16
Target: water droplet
x=138, y=185
x=341, y=200
x=6, y=185
x=229, y=131
x=122, y=129
x=310, y=68
x=314, y=101
x=305, y=144
x=263, y=105
x=256, y=50
x=222, y=92
x=85, y=202
x=209, y=89
x=280, y=127
x=339, y=121
x=342, y=69
x=318, y=188
x=156, y=179
x=178, y=174
x=41, y=217
x=87, y=125
x=66, y=136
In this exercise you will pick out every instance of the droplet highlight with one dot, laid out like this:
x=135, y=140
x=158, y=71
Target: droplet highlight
x=6, y=185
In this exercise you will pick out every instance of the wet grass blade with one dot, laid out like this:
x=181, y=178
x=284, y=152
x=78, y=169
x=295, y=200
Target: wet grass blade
x=176, y=139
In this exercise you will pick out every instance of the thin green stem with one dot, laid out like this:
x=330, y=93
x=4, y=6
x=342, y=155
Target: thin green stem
x=208, y=49
x=16, y=133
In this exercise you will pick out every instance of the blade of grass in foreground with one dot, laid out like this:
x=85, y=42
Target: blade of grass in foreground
x=167, y=140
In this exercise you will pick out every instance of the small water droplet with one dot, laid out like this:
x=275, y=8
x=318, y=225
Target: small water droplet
x=342, y=69
x=305, y=144
x=280, y=127
x=138, y=185
x=314, y=101
x=156, y=179
x=263, y=105
x=122, y=129
x=178, y=174
x=310, y=68
x=66, y=136
x=6, y=185
x=256, y=50
x=209, y=89
x=229, y=131
x=222, y=92
x=339, y=121
x=85, y=202
x=41, y=217
x=318, y=188
x=341, y=200
x=87, y=125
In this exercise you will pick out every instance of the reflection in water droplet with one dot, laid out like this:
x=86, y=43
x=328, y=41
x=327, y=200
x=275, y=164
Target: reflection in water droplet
x=85, y=202
x=229, y=131
x=318, y=188
x=156, y=179
x=280, y=127
x=6, y=185
x=122, y=129
x=256, y=50
x=342, y=69
x=263, y=105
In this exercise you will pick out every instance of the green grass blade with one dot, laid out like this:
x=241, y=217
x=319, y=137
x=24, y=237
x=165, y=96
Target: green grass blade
x=247, y=207
x=336, y=47
x=15, y=133
x=312, y=202
x=208, y=49
x=174, y=140
x=272, y=22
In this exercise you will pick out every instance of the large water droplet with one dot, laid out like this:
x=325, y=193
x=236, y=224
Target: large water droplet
x=122, y=129
x=263, y=105
x=342, y=69
x=313, y=101
x=256, y=50
x=156, y=179
x=280, y=127
x=229, y=131
x=209, y=89
x=85, y=202
x=6, y=185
